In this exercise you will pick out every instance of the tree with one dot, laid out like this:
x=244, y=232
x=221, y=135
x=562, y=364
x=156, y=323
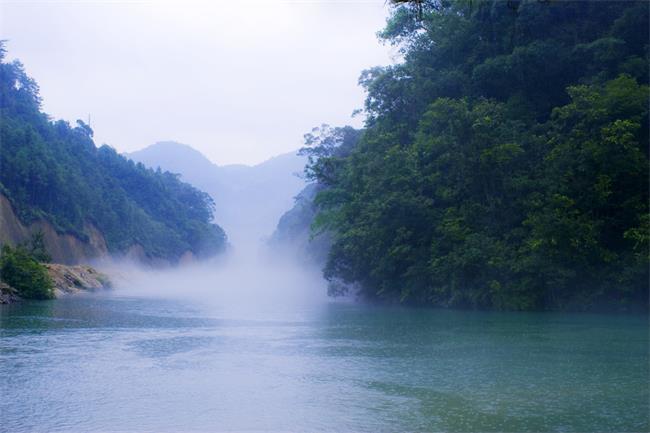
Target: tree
x=503, y=164
x=37, y=248
x=21, y=271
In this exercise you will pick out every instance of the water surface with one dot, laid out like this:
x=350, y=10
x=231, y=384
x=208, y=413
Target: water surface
x=106, y=362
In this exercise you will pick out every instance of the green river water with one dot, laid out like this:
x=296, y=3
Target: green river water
x=107, y=362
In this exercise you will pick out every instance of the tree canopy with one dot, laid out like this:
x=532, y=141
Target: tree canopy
x=504, y=161
x=21, y=270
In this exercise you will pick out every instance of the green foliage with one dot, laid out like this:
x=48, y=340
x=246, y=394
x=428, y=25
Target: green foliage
x=504, y=163
x=52, y=171
x=595, y=199
x=36, y=248
x=24, y=273
x=293, y=229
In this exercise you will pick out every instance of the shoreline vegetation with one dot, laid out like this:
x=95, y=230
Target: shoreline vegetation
x=25, y=273
x=503, y=163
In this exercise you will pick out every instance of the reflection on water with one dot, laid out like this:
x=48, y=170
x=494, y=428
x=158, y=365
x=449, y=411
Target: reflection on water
x=109, y=363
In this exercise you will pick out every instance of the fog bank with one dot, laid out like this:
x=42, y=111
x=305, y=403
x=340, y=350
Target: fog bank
x=243, y=283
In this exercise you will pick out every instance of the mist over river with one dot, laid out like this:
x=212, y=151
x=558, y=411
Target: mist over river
x=169, y=358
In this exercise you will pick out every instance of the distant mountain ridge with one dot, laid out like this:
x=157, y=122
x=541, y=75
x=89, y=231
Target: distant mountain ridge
x=249, y=199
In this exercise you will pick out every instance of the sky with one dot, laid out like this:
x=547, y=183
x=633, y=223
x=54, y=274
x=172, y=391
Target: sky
x=240, y=81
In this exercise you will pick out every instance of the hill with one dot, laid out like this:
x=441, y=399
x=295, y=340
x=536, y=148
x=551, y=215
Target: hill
x=504, y=161
x=87, y=199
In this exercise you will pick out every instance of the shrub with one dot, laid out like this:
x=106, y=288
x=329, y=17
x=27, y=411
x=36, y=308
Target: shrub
x=23, y=272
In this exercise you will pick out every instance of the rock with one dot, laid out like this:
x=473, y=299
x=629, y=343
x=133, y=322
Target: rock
x=72, y=279
x=8, y=295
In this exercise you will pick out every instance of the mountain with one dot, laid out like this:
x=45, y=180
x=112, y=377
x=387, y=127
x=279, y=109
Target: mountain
x=249, y=199
x=89, y=201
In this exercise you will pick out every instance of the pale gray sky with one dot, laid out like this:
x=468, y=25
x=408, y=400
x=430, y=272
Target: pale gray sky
x=240, y=81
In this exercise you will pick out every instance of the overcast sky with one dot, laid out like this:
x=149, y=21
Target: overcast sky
x=240, y=81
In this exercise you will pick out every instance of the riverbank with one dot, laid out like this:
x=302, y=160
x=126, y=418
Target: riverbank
x=66, y=280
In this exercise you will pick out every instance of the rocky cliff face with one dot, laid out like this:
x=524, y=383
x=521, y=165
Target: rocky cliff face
x=63, y=248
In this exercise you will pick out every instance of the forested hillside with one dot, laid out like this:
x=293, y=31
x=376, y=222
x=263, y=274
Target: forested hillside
x=297, y=231
x=504, y=163
x=293, y=232
x=54, y=172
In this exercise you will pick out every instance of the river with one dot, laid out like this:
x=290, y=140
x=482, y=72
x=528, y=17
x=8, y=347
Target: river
x=117, y=362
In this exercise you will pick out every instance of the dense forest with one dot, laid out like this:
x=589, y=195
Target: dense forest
x=504, y=161
x=50, y=170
